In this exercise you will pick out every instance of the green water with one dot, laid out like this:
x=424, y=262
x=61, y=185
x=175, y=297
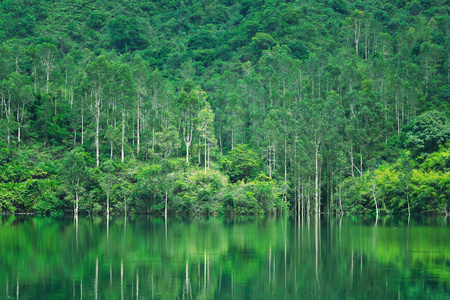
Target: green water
x=224, y=258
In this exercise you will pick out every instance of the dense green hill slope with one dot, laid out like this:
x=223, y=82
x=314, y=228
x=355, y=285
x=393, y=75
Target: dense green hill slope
x=224, y=106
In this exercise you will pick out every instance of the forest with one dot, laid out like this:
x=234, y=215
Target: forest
x=224, y=107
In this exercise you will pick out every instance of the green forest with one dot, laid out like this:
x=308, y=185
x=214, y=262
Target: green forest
x=224, y=107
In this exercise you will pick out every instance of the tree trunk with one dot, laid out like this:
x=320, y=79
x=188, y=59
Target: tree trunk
x=187, y=152
x=138, y=135
x=351, y=160
x=48, y=79
x=76, y=198
x=123, y=135
x=107, y=204
x=187, y=137
x=407, y=198
x=199, y=151
x=285, y=161
x=360, y=162
x=316, y=180
x=298, y=199
x=125, y=200
x=165, y=205
x=82, y=126
x=357, y=34
x=97, y=135
x=374, y=197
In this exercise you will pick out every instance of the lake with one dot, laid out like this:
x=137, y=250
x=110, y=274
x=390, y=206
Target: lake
x=144, y=257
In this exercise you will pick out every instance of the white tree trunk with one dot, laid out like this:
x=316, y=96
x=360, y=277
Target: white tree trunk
x=123, y=135
x=374, y=197
x=205, y=149
x=187, y=137
x=165, y=205
x=107, y=204
x=48, y=79
x=76, y=198
x=82, y=125
x=316, y=180
x=97, y=134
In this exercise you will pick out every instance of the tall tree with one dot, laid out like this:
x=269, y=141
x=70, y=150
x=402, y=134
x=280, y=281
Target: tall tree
x=20, y=91
x=107, y=181
x=73, y=172
x=125, y=93
x=98, y=75
x=206, y=131
x=48, y=56
x=140, y=75
x=189, y=104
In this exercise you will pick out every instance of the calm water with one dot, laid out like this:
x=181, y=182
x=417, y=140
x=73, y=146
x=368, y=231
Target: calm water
x=224, y=258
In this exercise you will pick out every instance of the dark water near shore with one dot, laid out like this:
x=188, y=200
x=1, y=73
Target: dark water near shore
x=225, y=258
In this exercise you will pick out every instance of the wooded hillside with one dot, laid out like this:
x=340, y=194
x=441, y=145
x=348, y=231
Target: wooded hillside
x=224, y=106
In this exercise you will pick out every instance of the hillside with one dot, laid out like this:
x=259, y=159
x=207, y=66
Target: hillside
x=224, y=106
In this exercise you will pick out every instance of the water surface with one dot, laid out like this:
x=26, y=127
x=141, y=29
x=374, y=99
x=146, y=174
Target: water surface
x=224, y=258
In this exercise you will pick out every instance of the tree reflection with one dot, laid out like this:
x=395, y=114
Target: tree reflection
x=243, y=258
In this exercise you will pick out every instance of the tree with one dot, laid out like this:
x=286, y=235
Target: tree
x=48, y=55
x=125, y=93
x=189, y=102
x=426, y=133
x=241, y=163
x=98, y=75
x=73, y=171
x=271, y=134
x=125, y=34
x=113, y=135
x=206, y=130
x=107, y=181
x=167, y=141
x=68, y=68
x=355, y=21
x=21, y=95
x=19, y=18
x=405, y=178
x=7, y=112
x=140, y=75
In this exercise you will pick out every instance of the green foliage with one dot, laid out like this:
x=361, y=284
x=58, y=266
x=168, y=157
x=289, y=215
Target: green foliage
x=202, y=40
x=298, y=50
x=325, y=93
x=96, y=20
x=400, y=188
x=242, y=163
x=339, y=6
x=48, y=202
x=18, y=18
x=167, y=141
x=427, y=132
x=125, y=34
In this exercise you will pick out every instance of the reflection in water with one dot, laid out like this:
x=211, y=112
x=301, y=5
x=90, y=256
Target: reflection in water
x=96, y=279
x=121, y=278
x=317, y=257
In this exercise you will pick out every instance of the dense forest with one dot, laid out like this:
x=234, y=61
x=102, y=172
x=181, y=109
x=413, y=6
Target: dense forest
x=228, y=107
